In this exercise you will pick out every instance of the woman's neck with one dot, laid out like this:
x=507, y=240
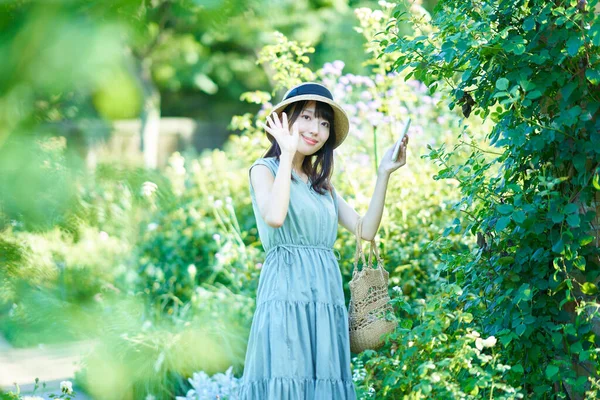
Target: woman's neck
x=297, y=163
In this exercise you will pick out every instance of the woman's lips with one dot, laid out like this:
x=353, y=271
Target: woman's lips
x=308, y=141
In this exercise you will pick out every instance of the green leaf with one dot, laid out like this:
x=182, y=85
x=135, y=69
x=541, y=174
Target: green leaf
x=502, y=84
x=596, y=181
x=593, y=76
x=570, y=208
x=551, y=370
x=534, y=94
x=528, y=25
x=579, y=263
x=520, y=329
x=573, y=45
x=505, y=208
x=586, y=240
x=558, y=247
x=589, y=288
x=518, y=217
x=517, y=369
x=573, y=220
x=506, y=260
x=502, y=223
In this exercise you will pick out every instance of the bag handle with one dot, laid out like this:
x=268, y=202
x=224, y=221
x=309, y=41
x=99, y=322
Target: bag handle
x=359, y=250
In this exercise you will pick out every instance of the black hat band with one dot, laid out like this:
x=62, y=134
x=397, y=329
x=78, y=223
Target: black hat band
x=310, y=88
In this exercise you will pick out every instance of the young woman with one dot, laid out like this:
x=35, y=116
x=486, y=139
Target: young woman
x=299, y=346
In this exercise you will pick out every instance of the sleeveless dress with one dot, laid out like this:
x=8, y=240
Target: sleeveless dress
x=299, y=348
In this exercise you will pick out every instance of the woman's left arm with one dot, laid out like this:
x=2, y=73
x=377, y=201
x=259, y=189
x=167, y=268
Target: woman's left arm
x=348, y=217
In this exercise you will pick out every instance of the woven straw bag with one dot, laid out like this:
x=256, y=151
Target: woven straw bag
x=369, y=301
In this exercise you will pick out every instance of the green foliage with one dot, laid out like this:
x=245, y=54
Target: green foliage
x=532, y=279
x=435, y=353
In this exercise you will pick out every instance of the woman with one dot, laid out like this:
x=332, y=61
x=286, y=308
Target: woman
x=299, y=345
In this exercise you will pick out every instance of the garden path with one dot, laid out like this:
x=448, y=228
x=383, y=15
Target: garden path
x=51, y=364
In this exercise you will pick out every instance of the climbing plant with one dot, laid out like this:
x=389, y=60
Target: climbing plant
x=533, y=68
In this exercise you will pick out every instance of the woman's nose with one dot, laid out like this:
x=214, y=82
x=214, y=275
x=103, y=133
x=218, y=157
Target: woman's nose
x=314, y=125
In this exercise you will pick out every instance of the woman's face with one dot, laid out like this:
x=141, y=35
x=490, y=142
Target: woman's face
x=313, y=131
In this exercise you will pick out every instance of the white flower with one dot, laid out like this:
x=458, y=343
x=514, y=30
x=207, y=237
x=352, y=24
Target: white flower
x=192, y=270
x=150, y=397
x=377, y=15
x=219, y=203
x=385, y=4
x=489, y=342
x=32, y=398
x=152, y=226
x=66, y=387
x=481, y=343
x=148, y=188
x=103, y=236
x=216, y=237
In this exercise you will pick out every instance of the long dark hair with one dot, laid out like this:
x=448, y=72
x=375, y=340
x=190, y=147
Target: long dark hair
x=319, y=166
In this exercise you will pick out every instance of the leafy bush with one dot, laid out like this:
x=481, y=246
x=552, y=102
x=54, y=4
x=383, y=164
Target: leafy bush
x=435, y=353
x=532, y=204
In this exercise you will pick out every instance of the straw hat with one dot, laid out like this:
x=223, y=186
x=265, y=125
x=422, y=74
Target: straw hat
x=318, y=92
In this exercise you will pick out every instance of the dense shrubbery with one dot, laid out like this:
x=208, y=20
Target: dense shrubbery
x=533, y=68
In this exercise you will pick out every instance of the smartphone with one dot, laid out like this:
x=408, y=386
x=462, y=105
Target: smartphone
x=399, y=142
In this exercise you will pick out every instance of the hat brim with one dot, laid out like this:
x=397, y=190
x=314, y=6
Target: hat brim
x=341, y=121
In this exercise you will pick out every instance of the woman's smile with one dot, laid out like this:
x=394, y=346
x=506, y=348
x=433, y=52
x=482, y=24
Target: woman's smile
x=309, y=141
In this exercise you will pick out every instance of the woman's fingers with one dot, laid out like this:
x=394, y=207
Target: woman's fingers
x=270, y=121
x=277, y=120
x=271, y=131
x=285, y=121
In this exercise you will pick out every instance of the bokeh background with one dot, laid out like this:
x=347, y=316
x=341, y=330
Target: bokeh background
x=129, y=254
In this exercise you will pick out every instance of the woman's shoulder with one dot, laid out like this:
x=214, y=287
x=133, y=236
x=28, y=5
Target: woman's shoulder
x=270, y=162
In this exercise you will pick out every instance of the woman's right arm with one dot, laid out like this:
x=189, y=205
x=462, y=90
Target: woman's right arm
x=273, y=193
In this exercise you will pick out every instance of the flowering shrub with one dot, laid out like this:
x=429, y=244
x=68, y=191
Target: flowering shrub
x=435, y=353
x=218, y=387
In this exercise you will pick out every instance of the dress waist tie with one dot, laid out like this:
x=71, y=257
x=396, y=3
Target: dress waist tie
x=288, y=251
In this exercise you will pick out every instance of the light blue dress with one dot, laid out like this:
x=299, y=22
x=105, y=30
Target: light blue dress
x=299, y=345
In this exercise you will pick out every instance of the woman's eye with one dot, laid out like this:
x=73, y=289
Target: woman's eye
x=306, y=116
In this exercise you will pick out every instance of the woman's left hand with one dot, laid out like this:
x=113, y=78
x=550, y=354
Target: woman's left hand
x=388, y=165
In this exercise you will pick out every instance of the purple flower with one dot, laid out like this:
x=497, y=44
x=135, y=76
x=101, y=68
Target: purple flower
x=350, y=109
x=328, y=69
x=369, y=82
x=374, y=104
x=376, y=118
x=362, y=106
x=365, y=95
x=339, y=65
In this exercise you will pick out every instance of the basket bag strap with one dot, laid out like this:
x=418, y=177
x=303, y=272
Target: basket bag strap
x=359, y=250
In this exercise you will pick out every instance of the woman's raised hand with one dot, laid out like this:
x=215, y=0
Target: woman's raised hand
x=288, y=141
